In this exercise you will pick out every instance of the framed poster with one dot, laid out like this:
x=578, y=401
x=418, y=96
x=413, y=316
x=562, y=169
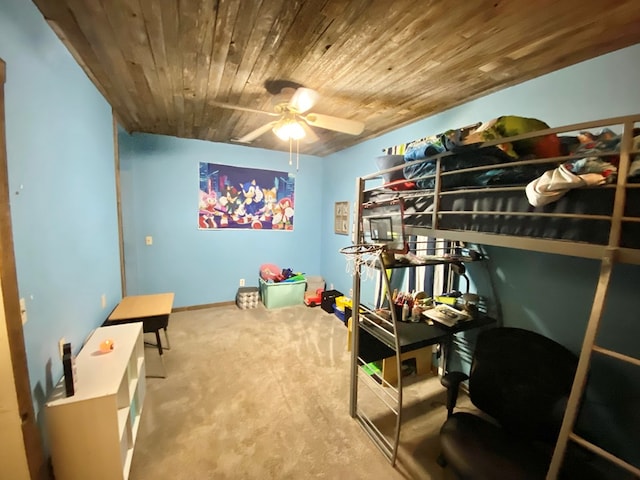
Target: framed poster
x=245, y=198
x=341, y=218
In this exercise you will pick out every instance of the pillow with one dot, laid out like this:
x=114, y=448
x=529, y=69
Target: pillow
x=387, y=161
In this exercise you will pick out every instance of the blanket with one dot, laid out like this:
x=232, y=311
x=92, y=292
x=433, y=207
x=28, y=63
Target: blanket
x=584, y=172
x=462, y=148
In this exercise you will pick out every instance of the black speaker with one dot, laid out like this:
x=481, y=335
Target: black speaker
x=67, y=365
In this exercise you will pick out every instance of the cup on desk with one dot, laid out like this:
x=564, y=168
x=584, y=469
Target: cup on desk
x=470, y=303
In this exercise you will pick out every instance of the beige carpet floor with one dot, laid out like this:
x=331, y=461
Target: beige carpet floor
x=264, y=394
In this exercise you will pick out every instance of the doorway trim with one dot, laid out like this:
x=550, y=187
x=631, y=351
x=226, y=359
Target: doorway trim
x=11, y=305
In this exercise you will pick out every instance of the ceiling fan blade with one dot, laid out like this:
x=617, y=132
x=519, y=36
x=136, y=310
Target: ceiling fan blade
x=242, y=109
x=309, y=135
x=251, y=136
x=303, y=99
x=343, y=125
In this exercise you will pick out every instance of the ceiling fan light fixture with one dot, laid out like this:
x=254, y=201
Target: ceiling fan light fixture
x=289, y=129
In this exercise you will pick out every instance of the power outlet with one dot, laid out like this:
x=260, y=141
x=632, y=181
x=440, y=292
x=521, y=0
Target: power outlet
x=242, y=282
x=148, y=240
x=61, y=343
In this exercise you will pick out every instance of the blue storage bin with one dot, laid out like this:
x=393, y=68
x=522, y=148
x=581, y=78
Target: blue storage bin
x=342, y=315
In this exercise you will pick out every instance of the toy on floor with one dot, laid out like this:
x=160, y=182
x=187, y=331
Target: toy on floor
x=313, y=299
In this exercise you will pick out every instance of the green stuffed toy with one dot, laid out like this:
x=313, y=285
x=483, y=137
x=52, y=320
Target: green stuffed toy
x=511, y=125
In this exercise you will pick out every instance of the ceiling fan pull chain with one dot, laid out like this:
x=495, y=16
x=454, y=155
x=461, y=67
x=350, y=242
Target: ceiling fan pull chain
x=297, y=155
x=290, y=151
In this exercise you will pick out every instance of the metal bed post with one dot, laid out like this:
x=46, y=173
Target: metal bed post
x=589, y=345
x=388, y=448
x=355, y=310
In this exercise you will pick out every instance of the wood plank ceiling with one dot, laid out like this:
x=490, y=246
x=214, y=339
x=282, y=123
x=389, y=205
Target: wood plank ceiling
x=165, y=65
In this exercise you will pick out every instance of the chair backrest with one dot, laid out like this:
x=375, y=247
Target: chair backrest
x=523, y=380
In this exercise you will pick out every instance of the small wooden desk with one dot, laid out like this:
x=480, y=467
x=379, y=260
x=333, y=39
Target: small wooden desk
x=142, y=306
x=152, y=310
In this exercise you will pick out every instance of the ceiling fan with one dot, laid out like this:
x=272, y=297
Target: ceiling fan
x=291, y=106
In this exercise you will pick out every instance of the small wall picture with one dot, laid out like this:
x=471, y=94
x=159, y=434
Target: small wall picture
x=341, y=218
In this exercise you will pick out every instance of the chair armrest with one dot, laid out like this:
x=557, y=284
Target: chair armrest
x=451, y=381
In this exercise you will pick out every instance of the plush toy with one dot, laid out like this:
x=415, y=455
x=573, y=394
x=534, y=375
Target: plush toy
x=511, y=125
x=270, y=273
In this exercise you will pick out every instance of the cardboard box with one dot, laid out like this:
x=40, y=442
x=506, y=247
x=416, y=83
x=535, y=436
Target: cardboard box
x=314, y=283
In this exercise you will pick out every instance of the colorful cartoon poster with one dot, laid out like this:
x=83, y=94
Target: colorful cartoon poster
x=248, y=198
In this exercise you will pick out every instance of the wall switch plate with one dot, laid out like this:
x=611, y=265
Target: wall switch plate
x=148, y=240
x=103, y=300
x=242, y=282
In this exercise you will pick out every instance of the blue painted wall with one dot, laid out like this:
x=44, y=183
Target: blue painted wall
x=160, y=199
x=546, y=293
x=63, y=208
x=603, y=87
x=63, y=197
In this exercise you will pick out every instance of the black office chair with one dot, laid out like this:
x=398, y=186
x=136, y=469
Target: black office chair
x=522, y=381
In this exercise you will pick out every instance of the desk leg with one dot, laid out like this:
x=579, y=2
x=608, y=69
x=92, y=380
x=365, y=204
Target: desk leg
x=158, y=345
x=445, y=349
x=166, y=337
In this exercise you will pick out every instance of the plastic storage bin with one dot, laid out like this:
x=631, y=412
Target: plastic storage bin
x=328, y=300
x=343, y=315
x=247, y=297
x=342, y=302
x=283, y=294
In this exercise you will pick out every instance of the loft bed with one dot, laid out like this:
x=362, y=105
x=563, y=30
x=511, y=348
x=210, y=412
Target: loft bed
x=572, y=190
x=475, y=192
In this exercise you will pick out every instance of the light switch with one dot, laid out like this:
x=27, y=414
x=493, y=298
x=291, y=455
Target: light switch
x=148, y=240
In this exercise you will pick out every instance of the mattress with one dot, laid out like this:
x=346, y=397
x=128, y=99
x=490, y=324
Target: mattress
x=597, y=201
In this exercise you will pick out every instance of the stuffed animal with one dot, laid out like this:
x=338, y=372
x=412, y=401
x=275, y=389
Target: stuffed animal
x=511, y=125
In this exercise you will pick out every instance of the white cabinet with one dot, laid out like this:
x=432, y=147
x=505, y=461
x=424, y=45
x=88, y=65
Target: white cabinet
x=92, y=433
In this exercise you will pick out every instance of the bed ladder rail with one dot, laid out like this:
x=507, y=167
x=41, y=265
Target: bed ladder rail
x=588, y=347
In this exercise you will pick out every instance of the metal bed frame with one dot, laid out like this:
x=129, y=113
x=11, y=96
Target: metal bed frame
x=608, y=254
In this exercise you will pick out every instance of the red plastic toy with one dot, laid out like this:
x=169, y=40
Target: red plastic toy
x=313, y=299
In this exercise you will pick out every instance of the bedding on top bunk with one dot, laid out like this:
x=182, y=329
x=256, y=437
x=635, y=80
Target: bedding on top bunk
x=550, y=182
x=591, y=170
x=464, y=153
x=461, y=150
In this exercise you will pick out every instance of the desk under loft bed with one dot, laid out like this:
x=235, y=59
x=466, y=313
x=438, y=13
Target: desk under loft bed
x=584, y=179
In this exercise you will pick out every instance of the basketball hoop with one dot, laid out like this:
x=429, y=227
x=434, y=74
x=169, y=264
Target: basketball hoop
x=362, y=254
